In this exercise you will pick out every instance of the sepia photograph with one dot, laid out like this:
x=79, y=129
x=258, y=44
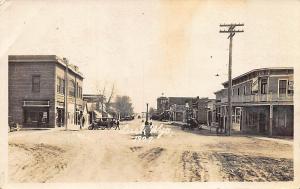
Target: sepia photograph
x=174, y=93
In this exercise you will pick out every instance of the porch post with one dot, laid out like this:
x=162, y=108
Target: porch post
x=271, y=120
x=241, y=119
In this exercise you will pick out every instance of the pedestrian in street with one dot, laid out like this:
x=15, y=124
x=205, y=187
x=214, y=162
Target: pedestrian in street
x=80, y=120
x=83, y=121
x=117, y=124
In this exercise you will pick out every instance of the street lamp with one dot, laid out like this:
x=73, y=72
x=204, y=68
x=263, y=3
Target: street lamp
x=147, y=129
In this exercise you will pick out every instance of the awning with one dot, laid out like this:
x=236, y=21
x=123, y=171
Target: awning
x=36, y=103
x=98, y=114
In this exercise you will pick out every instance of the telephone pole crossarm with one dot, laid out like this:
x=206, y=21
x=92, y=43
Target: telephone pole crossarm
x=228, y=25
x=231, y=31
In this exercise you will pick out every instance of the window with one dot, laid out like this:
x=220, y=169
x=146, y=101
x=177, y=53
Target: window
x=80, y=92
x=77, y=90
x=72, y=88
x=281, y=119
x=63, y=86
x=60, y=85
x=245, y=88
x=263, y=86
x=282, y=87
x=36, y=116
x=238, y=91
x=36, y=83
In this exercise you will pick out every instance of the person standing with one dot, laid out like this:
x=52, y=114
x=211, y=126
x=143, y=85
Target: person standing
x=80, y=120
x=117, y=124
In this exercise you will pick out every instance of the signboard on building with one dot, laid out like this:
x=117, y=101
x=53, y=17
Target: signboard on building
x=45, y=115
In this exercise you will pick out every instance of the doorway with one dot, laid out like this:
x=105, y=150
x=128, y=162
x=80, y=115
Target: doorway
x=60, y=117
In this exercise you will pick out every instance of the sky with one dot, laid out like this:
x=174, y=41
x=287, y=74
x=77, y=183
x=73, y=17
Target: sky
x=147, y=48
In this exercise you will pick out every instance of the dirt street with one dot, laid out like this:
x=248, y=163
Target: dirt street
x=121, y=155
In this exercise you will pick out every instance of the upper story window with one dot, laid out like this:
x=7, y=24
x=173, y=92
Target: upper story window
x=263, y=86
x=36, y=83
x=282, y=87
x=79, y=92
x=238, y=91
x=245, y=90
x=72, y=88
x=60, y=86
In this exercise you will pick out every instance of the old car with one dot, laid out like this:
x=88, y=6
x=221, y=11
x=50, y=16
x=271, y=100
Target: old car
x=103, y=123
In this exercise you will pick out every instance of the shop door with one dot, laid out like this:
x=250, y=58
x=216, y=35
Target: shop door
x=60, y=117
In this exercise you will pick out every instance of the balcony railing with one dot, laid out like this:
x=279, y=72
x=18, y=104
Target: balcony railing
x=259, y=98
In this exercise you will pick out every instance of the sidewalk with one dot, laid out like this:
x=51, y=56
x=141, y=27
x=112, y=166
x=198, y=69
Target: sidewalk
x=288, y=141
x=279, y=139
x=71, y=128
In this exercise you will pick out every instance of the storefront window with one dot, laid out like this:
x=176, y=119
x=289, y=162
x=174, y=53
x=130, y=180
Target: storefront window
x=36, y=116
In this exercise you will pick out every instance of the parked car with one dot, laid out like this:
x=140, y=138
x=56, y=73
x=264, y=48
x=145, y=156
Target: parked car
x=128, y=118
x=103, y=123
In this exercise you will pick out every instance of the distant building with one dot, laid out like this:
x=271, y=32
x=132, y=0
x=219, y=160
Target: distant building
x=181, y=101
x=162, y=104
x=96, y=109
x=203, y=110
x=36, y=90
x=177, y=108
x=262, y=101
x=178, y=112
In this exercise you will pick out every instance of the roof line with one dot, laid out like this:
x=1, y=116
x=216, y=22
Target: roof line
x=258, y=69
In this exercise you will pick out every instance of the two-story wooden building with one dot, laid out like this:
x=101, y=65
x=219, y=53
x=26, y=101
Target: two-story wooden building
x=203, y=110
x=37, y=85
x=262, y=101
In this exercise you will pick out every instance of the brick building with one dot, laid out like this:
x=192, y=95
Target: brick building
x=262, y=101
x=162, y=104
x=175, y=107
x=37, y=85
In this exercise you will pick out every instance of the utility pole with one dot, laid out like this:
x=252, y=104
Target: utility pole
x=230, y=28
x=146, y=123
x=66, y=92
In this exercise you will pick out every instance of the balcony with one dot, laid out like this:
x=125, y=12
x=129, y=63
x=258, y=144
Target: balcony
x=259, y=98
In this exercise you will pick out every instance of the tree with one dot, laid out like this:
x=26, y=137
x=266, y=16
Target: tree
x=104, y=101
x=151, y=111
x=123, y=105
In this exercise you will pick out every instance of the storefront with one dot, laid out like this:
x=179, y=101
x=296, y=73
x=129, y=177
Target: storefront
x=36, y=114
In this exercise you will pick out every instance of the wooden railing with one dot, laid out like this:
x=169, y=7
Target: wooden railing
x=260, y=98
